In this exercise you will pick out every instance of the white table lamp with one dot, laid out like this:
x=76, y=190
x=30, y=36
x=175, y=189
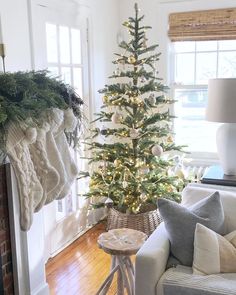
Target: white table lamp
x=222, y=108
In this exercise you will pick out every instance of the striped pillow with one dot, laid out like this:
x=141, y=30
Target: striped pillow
x=213, y=253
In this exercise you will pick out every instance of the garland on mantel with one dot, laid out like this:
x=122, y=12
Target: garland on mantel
x=39, y=116
x=27, y=95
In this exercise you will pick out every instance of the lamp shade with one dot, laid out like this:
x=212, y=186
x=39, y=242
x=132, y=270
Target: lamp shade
x=221, y=100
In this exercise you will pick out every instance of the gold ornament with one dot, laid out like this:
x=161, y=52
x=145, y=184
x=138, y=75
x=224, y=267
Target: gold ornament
x=117, y=163
x=169, y=139
x=105, y=99
x=131, y=59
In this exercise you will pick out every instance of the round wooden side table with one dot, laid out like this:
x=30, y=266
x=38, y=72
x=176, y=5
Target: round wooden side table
x=120, y=244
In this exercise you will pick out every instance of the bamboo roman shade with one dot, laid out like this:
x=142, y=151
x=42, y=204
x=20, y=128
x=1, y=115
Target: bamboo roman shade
x=219, y=24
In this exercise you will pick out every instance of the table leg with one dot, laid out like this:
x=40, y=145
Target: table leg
x=107, y=283
x=129, y=267
x=124, y=275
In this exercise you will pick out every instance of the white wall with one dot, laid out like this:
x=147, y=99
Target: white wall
x=14, y=18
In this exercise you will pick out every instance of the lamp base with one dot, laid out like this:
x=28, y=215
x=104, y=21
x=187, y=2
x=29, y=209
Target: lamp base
x=226, y=146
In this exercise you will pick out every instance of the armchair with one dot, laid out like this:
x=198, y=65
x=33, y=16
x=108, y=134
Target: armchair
x=151, y=276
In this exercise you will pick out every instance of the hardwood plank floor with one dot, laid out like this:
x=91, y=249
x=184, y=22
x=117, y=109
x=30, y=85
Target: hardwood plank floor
x=81, y=268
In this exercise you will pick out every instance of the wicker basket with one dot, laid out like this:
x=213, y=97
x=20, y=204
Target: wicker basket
x=146, y=222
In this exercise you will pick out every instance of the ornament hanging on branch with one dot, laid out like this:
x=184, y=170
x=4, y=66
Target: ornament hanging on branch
x=131, y=59
x=157, y=150
x=116, y=118
x=103, y=130
x=151, y=98
x=133, y=133
x=125, y=184
x=117, y=72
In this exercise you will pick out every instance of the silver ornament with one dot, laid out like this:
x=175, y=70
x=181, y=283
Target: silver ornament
x=103, y=130
x=157, y=150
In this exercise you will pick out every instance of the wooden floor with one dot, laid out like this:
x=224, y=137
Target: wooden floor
x=81, y=268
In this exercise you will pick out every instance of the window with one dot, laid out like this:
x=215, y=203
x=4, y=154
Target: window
x=64, y=55
x=195, y=62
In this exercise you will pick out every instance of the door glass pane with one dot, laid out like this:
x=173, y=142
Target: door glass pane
x=188, y=46
x=185, y=68
x=206, y=46
x=227, y=64
x=191, y=128
x=51, y=37
x=66, y=74
x=61, y=212
x=76, y=46
x=205, y=67
x=54, y=71
x=78, y=82
x=64, y=45
x=227, y=45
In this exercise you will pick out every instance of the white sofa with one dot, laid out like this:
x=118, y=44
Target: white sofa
x=151, y=276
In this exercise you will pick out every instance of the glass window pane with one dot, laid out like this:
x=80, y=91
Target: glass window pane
x=184, y=68
x=227, y=64
x=78, y=81
x=51, y=37
x=206, y=46
x=205, y=67
x=227, y=45
x=190, y=126
x=66, y=74
x=188, y=46
x=64, y=45
x=76, y=46
x=54, y=71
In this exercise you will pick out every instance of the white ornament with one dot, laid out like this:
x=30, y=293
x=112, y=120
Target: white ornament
x=125, y=184
x=143, y=79
x=117, y=72
x=151, y=99
x=134, y=133
x=116, y=118
x=157, y=150
x=143, y=197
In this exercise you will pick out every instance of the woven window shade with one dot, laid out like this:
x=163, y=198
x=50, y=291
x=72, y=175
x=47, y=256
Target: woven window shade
x=219, y=24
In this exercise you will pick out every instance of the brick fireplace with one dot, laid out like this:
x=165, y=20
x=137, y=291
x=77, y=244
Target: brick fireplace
x=6, y=273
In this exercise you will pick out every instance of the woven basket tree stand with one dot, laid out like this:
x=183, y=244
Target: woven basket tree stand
x=146, y=222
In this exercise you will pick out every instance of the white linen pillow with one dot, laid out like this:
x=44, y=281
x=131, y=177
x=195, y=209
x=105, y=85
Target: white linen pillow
x=213, y=253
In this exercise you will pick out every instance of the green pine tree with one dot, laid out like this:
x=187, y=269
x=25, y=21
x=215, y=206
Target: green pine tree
x=131, y=169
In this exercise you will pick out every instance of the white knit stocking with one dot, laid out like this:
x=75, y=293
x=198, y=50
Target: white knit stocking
x=29, y=187
x=55, y=120
x=48, y=176
x=69, y=124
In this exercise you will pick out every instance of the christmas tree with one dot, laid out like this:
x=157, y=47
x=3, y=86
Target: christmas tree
x=132, y=168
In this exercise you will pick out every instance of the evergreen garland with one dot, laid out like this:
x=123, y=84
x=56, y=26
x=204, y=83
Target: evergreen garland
x=28, y=95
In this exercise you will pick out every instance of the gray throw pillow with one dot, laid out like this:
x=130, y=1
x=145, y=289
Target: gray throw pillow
x=180, y=223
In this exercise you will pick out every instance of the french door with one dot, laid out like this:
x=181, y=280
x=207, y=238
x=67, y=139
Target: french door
x=60, y=44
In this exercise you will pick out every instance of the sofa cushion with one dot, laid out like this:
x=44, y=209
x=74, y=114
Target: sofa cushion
x=212, y=252
x=180, y=223
x=181, y=281
x=193, y=193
